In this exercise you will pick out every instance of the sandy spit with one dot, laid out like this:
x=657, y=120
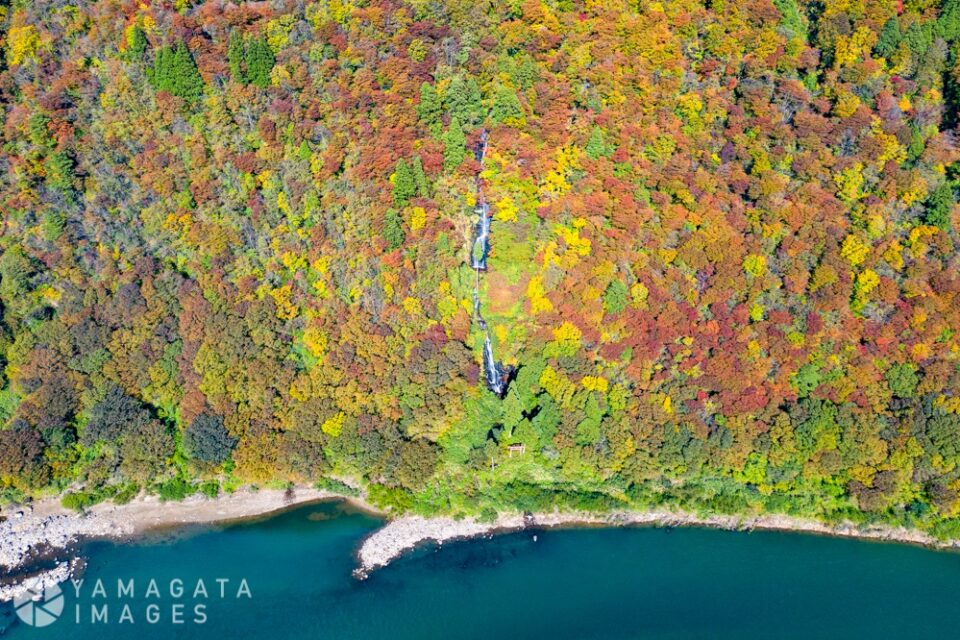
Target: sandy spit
x=404, y=533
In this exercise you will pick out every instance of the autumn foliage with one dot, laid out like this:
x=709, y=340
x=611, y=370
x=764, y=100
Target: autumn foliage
x=724, y=262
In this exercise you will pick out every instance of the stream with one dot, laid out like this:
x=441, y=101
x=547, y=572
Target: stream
x=493, y=371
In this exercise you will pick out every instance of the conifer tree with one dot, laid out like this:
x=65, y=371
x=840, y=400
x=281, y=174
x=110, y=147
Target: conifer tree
x=596, y=146
x=506, y=107
x=454, y=146
x=404, y=186
x=60, y=171
x=889, y=38
x=236, y=56
x=464, y=101
x=137, y=43
x=260, y=61
x=939, y=206
x=160, y=74
x=186, y=76
x=948, y=24
x=420, y=178
x=175, y=71
x=393, y=230
x=430, y=110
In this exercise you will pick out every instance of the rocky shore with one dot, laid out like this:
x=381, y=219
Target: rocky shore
x=44, y=529
x=37, y=583
x=404, y=533
x=26, y=534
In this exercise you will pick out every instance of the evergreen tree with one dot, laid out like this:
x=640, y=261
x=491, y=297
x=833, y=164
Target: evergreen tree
x=917, y=145
x=187, y=82
x=236, y=56
x=919, y=37
x=889, y=38
x=393, y=230
x=60, y=171
x=939, y=206
x=160, y=73
x=207, y=439
x=38, y=128
x=304, y=151
x=454, y=146
x=137, y=43
x=420, y=178
x=430, y=109
x=464, y=101
x=616, y=297
x=404, y=185
x=506, y=107
x=260, y=61
x=948, y=24
x=596, y=147
x=175, y=72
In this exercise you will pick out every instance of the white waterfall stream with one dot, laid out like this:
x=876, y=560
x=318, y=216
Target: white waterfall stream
x=493, y=371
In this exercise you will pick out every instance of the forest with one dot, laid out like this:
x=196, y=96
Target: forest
x=723, y=272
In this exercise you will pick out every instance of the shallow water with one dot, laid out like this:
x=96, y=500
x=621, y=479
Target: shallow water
x=588, y=583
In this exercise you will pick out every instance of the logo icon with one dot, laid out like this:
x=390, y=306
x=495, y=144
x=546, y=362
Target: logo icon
x=39, y=606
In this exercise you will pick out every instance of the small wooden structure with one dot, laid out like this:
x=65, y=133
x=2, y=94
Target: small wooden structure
x=516, y=448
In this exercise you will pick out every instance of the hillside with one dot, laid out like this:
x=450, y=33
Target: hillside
x=722, y=269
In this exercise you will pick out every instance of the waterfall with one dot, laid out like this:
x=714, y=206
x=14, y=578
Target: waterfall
x=481, y=242
x=479, y=250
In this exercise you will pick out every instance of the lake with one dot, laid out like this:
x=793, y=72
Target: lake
x=289, y=576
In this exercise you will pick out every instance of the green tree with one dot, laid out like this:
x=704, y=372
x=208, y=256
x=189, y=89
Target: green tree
x=596, y=147
x=889, y=38
x=111, y=416
x=60, y=171
x=404, y=183
x=506, y=107
x=902, y=380
x=38, y=129
x=791, y=22
x=919, y=37
x=236, y=58
x=260, y=61
x=944, y=433
x=393, y=231
x=948, y=24
x=806, y=379
x=616, y=297
x=137, y=43
x=53, y=225
x=175, y=71
x=187, y=82
x=420, y=178
x=430, y=109
x=939, y=206
x=207, y=439
x=464, y=102
x=16, y=271
x=454, y=146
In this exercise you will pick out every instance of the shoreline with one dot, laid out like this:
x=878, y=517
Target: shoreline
x=45, y=531
x=406, y=533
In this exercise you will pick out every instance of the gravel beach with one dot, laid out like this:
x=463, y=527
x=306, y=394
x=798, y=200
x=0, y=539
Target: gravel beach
x=404, y=533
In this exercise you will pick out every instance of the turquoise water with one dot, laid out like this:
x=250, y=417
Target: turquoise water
x=588, y=583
